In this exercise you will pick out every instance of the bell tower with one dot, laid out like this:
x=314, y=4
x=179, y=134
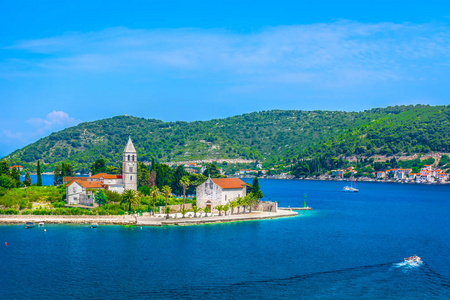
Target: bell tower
x=129, y=166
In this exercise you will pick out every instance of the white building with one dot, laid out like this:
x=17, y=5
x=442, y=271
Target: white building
x=76, y=192
x=220, y=191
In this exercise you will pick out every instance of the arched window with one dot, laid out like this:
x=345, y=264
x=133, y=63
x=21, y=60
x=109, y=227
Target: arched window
x=131, y=177
x=132, y=157
x=128, y=157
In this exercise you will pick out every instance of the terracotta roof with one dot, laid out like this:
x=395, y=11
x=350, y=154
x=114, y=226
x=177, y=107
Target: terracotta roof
x=105, y=176
x=229, y=183
x=98, y=175
x=88, y=184
x=108, y=176
x=69, y=179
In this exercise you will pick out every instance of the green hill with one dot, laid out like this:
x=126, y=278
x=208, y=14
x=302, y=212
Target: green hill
x=422, y=129
x=273, y=136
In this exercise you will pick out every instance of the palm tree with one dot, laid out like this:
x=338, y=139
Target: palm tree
x=226, y=207
x=234, y=204
x=241, y=202
x=166, y=191
x=250, y=201
x=219, y=208
x=184, y=182
x=206, y=210
x=154, y=191
x=130, y=197
x=184, y=211
x=196, y=209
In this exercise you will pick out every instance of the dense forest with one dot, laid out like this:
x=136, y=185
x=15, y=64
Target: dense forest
x=272, y=137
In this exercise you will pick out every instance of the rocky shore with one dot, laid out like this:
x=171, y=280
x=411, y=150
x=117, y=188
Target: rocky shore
x=144, y=220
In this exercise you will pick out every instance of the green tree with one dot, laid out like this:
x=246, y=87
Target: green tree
x=99, y=166
x=100, y=197
x=219, y=209
x=56, y=176
x=176, y=183
x=7, y=182
x=15, y=176
x=184, y=182
x=27, y=181
x=206, y=210
x=143, y=174
x=129, y=198
x=255, y=189
x=234, y=204
x=166, y=190
x=39, y=176
x=196, y=209
x=4, y=167
x=154, y=191
x=212, y=171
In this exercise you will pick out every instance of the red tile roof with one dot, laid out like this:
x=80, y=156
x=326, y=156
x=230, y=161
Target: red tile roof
x=69, y=179
x=229, y=183
x=88, y=184
x=105, y=176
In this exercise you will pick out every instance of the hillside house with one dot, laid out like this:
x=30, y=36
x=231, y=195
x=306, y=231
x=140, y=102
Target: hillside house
x=77, y=193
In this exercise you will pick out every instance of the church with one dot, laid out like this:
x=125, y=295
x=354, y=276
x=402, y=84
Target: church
x=77, y=190
x=219, y=191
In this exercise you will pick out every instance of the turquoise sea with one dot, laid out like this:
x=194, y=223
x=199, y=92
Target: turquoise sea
x=351, y=246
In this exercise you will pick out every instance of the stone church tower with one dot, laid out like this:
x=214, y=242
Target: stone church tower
x=129, y=166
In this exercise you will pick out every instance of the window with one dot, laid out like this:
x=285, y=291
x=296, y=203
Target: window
x=131, y=169
x=128, y=158
x=225, y=197
x=132, y=157
x=74, y=189
x=131, y=177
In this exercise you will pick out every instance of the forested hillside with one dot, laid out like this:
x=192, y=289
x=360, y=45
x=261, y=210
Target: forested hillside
x=270, y=136
x=423, y=129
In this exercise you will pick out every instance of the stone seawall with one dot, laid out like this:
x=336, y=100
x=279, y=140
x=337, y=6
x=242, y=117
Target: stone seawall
x=145, y=220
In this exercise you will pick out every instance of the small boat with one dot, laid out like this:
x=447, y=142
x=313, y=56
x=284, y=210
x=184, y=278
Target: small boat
x=351, y=188
x=94, y=225
x=41, y=224
x=413, y=259
x=29, y=225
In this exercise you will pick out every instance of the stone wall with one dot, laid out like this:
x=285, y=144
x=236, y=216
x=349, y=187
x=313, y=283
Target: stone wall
x=176, y=208
x=267, y=206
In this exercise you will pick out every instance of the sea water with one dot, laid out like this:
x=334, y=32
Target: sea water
x=351, y=246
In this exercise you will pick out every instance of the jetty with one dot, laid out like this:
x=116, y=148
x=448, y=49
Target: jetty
x=295, y=208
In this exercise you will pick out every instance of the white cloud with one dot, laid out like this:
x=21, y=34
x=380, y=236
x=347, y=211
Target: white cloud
x=301, y=53
x=55, y=119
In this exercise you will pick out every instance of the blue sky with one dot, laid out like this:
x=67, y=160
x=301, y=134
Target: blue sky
x=61, y=64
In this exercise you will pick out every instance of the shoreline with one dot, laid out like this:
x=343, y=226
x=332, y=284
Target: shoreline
x=141, y=220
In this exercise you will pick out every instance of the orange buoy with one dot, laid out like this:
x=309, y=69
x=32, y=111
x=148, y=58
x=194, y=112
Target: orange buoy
x=6, y=244
x=45, y=230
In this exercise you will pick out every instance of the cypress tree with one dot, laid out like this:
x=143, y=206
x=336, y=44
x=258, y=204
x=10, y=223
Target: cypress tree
x=255, y=188
x=27, y=181
x=39, y=176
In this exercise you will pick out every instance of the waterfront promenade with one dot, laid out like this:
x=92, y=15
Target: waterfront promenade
x=145, y=220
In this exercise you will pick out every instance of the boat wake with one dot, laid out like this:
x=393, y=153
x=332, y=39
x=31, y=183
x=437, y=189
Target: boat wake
x=407, y=265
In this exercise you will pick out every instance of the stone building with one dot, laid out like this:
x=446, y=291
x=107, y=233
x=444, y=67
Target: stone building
x=129, y=166
x=76, y=190
x=220, y=191
x=77, y=193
